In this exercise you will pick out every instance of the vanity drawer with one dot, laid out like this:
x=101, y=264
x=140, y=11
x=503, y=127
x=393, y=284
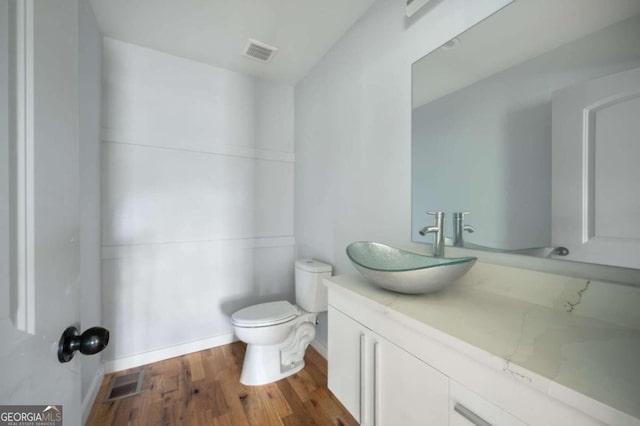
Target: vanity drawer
x=467, y=408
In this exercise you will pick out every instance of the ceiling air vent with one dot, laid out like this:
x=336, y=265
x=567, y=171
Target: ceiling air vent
x=259, y=51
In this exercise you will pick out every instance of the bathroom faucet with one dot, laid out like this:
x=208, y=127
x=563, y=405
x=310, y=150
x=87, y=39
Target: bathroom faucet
x=459, y=229
x=438, y=229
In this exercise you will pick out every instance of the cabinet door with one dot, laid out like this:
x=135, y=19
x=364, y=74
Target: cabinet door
x=379, y=383
x=346, y=346
x=406, y=390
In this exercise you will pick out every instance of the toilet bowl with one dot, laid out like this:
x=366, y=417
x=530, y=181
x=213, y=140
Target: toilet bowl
x=278, y=333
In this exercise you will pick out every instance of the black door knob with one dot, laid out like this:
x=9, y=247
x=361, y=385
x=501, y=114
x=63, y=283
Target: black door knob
x=92, y=341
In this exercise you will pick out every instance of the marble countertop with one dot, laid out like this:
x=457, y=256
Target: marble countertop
x=541, y=337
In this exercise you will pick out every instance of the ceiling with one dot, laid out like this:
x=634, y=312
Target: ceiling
x=216, y=31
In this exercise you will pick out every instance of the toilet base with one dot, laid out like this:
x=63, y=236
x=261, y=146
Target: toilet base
x=269, y=363
x=262, y=365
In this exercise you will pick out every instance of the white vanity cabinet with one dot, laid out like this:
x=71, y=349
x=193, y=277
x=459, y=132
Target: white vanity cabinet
x=388, y=366
x=380, y=383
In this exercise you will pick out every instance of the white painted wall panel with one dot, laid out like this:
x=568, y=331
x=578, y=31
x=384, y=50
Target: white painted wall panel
x=165, y=195
x=174, y=102
x=274, y=112
x=198, y=173
x=168, y=294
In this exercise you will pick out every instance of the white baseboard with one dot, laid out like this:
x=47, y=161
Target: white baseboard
x=166, y=353
x=178, y=350
x=90, y=397
x=321, y=348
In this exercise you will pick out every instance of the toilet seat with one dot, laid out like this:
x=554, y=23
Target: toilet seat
x=265, y=314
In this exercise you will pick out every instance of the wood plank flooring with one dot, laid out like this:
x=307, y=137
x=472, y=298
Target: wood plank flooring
x=203, y=388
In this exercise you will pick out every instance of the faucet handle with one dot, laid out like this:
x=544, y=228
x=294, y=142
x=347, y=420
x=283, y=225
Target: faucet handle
x=439, y=218
x=459, y=228
x=458, y=221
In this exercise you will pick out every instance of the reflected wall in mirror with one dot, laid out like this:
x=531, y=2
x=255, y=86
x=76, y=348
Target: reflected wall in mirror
x=530, y=122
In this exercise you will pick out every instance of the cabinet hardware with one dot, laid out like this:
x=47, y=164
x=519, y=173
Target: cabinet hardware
x=375, y=384
x=470, y=415
x=362, y=376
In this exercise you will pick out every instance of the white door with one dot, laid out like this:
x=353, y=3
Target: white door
x=46, y=213
x=596, y=173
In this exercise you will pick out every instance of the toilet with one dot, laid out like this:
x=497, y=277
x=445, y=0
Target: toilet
x=278, y=333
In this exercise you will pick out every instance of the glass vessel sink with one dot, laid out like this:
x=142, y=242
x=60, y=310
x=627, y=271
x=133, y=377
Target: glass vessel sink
x=404, y=271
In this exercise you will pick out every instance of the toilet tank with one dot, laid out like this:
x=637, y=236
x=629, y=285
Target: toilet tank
x=311, y=294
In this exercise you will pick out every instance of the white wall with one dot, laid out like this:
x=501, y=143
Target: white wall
x=353, y=129
x=198, y=167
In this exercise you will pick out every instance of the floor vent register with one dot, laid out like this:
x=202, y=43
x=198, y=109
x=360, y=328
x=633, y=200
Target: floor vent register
x=124, y=386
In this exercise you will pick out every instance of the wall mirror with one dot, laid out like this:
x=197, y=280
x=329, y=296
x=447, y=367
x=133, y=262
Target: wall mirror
x=530, y=121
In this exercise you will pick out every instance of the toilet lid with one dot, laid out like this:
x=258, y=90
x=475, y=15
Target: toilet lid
x=265, y=314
